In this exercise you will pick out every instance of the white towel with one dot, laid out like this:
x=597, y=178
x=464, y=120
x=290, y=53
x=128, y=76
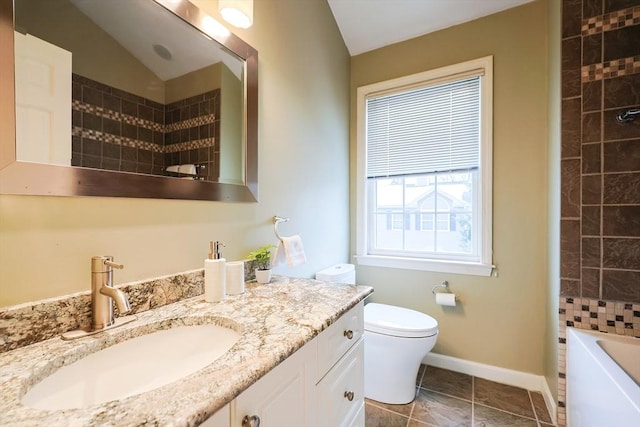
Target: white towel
x=188, y=168
x=291, y=250
x=174, y=168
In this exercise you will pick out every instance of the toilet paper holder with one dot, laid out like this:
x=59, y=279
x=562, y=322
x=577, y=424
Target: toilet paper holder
x=444, y=285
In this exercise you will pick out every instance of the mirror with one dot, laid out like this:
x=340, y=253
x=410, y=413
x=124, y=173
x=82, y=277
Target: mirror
x=162, y=101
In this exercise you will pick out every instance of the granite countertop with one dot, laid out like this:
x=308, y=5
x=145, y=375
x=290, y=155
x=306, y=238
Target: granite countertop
x=274, y=320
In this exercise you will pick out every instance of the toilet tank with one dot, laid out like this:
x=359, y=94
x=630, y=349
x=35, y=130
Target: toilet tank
x=339, y=273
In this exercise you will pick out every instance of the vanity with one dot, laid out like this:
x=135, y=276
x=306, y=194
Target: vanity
x=298, y=357
x=298, y=362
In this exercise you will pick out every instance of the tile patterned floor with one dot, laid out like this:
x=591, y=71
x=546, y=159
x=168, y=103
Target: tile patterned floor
x=446, y=398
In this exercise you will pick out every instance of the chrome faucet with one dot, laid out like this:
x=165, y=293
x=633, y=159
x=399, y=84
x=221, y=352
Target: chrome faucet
x=102, y=292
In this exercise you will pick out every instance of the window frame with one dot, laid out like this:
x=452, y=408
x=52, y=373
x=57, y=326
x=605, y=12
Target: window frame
x=484, y=267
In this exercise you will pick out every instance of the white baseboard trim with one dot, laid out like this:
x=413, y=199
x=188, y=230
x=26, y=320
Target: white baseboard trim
x=552, y=406
x=497, y=374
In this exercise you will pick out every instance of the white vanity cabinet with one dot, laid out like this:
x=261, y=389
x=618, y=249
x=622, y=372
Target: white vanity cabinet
x=340, y=386
x=320, y=385
x=284, y=397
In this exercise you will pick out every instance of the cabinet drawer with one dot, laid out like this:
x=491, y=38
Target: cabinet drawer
x=341, y=391
x=339, y=337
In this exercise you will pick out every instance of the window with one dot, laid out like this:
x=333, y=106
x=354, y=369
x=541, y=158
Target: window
x=424, y=157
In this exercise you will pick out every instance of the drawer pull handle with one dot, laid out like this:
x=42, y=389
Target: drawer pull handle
x=248, y=421
x=348, y=334
x=348, y=395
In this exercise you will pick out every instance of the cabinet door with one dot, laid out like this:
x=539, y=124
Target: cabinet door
x=341, y=391
x=285, y=397
x=334, y=342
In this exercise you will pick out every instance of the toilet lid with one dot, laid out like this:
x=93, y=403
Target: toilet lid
x=398, y=321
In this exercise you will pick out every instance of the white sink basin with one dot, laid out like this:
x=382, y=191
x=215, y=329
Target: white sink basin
x=131, y=367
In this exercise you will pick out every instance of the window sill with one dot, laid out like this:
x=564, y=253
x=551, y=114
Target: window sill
x=456, y=267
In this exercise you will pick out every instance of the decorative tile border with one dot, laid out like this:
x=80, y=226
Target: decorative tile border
x=105, y=113
x=610, y=69
x=611, y=21
x=191, y=145
x=115, y=139
x=135, y=143
x=136, y=121
x=605, y=316
x=596, y=315
x=189, y=123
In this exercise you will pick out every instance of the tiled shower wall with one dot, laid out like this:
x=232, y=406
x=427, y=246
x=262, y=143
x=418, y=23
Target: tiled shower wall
x=600, y=172
x=117, y=130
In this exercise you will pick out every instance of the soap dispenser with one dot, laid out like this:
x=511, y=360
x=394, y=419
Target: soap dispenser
x=214, y=274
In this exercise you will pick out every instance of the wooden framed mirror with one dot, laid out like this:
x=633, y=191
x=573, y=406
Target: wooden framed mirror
x=163, y=102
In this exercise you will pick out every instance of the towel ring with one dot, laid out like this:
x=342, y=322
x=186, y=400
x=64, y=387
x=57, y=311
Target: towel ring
x=277, y=220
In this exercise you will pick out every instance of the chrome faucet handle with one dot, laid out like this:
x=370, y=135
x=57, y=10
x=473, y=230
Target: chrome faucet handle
x=104, y=264
x=113, y=264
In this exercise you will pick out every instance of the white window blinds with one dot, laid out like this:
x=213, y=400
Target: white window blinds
x=431, y=129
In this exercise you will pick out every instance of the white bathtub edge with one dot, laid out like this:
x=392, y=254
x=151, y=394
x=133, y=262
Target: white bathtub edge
x=495, y=373
x=622, y=392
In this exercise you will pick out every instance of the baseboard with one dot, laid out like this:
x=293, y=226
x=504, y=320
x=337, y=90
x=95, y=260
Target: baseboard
x=497, y=374
x=552, y=406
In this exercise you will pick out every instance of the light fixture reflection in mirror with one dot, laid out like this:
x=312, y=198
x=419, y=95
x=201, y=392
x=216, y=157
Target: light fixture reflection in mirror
x=27, y=177
x=238, y=13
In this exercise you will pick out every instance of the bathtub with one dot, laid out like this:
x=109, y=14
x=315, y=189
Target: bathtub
x=603, y=379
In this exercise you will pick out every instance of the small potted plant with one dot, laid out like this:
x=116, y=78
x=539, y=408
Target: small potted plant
x=262, y=257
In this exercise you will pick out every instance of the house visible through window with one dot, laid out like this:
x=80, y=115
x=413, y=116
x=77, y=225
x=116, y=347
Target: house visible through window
x=424, y=170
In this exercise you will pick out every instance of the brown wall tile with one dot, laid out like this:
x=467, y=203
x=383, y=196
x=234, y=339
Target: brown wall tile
x=591, y=125
x=571, y=127
x=111, y=102
x=622, y=156
x=622, y=188
x=621, y=221
x=591, y=189
x=591, y=8
x=591, y=220
x=591, y=154
x=92, y=96
x=590, y=252
x=621, y=253
x=91, y=121
x=91, y=147
x=620, y=285
x=613, y=5
x=570, y=287
x=112, y=151
x=571, y=18
x=571, y=49
x=614, y=130
x=570, y=249
x=592, y=49
x=571, y=83
x=570, y=188
x=592, y=96
x=622, y=91
x=590, y=283
x=621, y=43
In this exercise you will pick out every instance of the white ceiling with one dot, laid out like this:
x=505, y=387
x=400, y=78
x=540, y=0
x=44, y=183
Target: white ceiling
x=139, y=25
x=370, y=24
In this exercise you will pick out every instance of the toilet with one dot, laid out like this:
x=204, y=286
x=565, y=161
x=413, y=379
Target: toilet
x=396, y=339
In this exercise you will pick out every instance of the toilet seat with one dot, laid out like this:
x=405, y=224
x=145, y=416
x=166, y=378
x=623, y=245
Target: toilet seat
x=398, y=321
